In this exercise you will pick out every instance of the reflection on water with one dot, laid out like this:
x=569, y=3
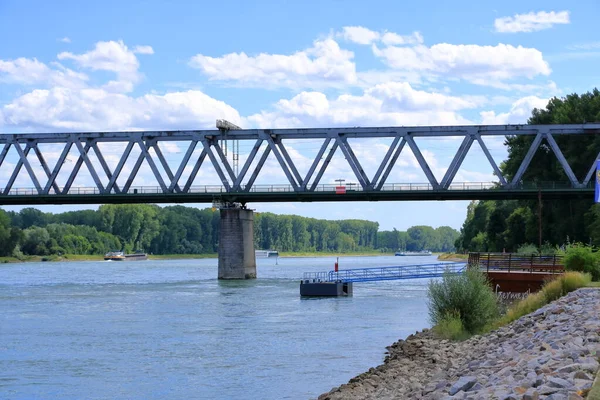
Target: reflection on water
x=170, y=329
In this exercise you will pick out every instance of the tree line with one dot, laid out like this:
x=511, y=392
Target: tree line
x=187, y=230
x=507, y=225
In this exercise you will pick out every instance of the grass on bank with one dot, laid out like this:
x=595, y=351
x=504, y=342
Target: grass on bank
x=453, y=256
x=594, y=393
x=461, y=305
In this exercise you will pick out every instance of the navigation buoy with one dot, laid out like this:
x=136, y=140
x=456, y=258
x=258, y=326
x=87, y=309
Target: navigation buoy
x=336, y=264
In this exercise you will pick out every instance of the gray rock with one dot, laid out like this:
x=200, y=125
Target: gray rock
x=464, y=383
x=568, y=368
x=558, y=382
x=582, y=375
x=531, y=394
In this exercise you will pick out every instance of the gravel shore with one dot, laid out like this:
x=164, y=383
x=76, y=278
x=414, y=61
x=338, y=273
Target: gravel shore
x=549, y=354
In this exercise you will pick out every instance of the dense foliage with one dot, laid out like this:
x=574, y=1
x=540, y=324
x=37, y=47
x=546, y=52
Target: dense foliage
x=187, y=230
x=582, y=258
x=506, y=225
x=467, y=297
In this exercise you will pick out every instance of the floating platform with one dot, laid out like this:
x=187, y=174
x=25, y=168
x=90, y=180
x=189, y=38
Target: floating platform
x=321, y=289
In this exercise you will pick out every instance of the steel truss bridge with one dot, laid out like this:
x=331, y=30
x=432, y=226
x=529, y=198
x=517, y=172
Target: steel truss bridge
x=238, y=186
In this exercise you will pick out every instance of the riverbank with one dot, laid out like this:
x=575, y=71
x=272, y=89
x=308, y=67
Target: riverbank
x=552, y=351
x=99, y=257
x=456, y=257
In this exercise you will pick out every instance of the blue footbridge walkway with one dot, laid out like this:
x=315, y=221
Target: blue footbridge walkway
x=339, y=283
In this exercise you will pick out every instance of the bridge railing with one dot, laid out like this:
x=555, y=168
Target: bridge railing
x=395, y=272
x=514, y=262
x=279, y=188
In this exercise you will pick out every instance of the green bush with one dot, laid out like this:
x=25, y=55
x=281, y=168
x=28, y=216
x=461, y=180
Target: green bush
x=528, y=249
x=467, y=295
x=581, y=258
x=451, y=327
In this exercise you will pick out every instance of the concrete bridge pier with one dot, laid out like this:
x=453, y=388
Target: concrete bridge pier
x=237, y=259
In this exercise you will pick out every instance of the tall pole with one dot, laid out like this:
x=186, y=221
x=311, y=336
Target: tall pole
x=540, y=217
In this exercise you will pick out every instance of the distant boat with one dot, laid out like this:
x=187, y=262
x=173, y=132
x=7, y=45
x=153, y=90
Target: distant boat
x=266, y=253
x=121, y=256
x=414, y=253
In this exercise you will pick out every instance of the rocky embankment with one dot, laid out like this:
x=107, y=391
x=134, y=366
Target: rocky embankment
x=549, y=354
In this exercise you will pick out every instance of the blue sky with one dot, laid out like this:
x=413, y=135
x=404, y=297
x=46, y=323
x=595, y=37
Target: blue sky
x=113, y=65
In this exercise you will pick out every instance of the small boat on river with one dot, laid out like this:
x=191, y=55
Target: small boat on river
x=121, y=256
x=266, y=253
x=414, y=253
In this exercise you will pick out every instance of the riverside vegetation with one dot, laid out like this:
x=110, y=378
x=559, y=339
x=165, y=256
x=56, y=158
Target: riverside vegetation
x=544, y=346
x=179, y=230
x=494, y=225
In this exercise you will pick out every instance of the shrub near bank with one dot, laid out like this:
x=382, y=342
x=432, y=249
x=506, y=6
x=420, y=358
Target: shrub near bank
x=460, y=305
x=582, y=258
x=463, y=305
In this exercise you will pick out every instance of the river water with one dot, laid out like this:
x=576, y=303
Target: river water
x=170, y=329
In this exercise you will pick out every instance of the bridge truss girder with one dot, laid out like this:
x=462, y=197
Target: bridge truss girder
x=301, y=186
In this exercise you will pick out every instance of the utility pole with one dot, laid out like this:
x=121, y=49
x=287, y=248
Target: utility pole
x=540, y=217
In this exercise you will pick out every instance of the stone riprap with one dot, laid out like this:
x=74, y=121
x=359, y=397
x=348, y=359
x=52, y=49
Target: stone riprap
x=551, y=353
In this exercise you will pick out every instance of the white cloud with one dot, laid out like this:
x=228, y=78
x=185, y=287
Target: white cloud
x=98, y=109
x=359, y=34
x=112, y=56
x=30, y=71
x=365, y=36
x=143, y=50
x=386, y=104
x=393, y=39
x=518, y=114
x=323, y=64
x=531, y=22
x=468, y=62
x=65, y=40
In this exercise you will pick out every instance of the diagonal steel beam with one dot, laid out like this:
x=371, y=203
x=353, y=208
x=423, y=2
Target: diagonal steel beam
x=591, y=171
x=562, y=160
x=223, y=158
x=289, y=161
x=384, y=162
x=259, y=165
x=528, y=157
x=324, y=166
x=134, y=171
x=76, y=168
x=182, y=165
x=421, y=160
x=17, y=169
x=4, y=152
x=315, y=162
x=281, y=161
x=25, y=161
x=353, y=162
x=150, y=161
x=59, y=163
x=166, y=167
x=15, y=172
x=457, y=161
x=89, y=165
x=215, y=163
x=238, y=181
x=391, y=164
x=44, y=165
x=104, y=165
x=112, y=183
x=195, y=170
x=491, y=159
